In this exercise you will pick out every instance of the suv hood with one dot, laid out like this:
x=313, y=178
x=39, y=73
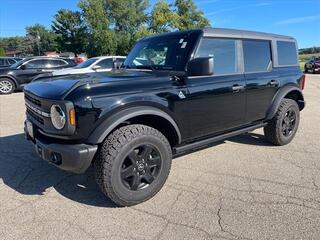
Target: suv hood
x=58, y=87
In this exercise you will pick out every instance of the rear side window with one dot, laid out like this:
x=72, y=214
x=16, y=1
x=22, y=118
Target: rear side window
x=224, y=53
x=257, y=55
x=287, y=53
x=56, y=63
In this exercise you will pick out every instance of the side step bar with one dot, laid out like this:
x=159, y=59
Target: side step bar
x=202, y=143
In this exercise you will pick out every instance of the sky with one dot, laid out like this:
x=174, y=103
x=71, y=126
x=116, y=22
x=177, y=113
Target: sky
x=297, y=18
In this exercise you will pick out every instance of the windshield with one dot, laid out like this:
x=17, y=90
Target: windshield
x=161, y=53
x=17, y=64
x=87, y=63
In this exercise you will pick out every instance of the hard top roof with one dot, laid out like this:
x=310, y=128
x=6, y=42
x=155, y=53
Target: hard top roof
x=230, y=33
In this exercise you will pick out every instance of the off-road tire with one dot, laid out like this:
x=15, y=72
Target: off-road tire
x=107, y=165
x=273, y=131
x=10, y=82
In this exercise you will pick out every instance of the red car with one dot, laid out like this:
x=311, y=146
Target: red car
x=313, y=65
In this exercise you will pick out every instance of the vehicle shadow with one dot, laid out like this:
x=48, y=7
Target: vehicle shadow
x=22, y=170
x=251, y=139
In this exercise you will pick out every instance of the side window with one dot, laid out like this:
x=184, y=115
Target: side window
x=106, y=63
x=34, y=64
x=224, y=53
x=287, y=53
x=2, y=62
x=257, y=55
x=53, y=63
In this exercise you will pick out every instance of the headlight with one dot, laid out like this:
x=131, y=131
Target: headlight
x=58, y=117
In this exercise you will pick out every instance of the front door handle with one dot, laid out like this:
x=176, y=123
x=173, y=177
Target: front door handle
x=273, y=83
x=237, y=88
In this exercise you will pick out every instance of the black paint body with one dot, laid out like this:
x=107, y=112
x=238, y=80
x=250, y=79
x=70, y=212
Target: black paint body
x=201, y=106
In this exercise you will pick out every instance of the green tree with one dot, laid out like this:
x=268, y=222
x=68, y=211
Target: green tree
x=162, y=17
x=2, y=52
x=127, y=19
x=189, y=16
x=71, y=31
x=41, y=39
x=101, y=39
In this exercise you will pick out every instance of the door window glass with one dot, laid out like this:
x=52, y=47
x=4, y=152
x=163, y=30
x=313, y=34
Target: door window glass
x=106, y=63
x=224, y=54
x=53, y=63
x=257, y=55
x=34, y=64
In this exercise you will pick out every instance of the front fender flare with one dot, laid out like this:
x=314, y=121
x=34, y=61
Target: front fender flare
x=279, y=96
x=107, y=126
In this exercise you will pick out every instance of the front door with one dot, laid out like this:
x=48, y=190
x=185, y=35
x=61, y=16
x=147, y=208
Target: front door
x=216, y=103
x=31, y=69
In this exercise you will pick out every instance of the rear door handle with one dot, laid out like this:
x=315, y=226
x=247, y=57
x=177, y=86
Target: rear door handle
x=237, y=88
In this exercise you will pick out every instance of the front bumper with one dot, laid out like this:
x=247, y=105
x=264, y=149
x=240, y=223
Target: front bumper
x=70, y=157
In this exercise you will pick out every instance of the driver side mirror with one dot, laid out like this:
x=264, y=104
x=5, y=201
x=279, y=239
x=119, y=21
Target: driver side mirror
x=96, y=67
x=202, y=66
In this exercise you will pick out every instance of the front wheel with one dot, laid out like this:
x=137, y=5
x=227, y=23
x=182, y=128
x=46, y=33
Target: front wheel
x=283, y=126
x=133, y=164
x=7, y=86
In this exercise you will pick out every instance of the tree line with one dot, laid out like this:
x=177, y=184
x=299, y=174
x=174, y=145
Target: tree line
x=311, y=50
x=106, y=27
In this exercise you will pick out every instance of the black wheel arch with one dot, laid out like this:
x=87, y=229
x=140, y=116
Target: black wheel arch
x=138, y=115
x=289, y=91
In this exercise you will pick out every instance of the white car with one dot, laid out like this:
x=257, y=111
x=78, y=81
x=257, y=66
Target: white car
x=95, y=64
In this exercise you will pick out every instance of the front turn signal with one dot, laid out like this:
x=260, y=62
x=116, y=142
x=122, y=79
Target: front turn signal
x=72, y=115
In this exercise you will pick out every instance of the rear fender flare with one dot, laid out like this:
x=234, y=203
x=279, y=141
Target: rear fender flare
x=278, y=98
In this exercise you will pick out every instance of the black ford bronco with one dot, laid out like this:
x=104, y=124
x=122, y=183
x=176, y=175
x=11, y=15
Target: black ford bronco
x=176, y=92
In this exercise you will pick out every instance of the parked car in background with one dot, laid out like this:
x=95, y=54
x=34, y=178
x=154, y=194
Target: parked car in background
x=8, y=61
x=22, y=72
x=95, y=64
x=313, y=65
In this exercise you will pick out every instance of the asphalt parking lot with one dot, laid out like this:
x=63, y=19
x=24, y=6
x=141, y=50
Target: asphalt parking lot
x=242, y=188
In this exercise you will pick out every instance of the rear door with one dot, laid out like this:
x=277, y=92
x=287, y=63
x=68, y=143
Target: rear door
x=216, y=103
x=262, y=79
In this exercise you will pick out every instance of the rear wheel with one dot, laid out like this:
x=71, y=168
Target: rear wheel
x=7, y=86
x=133, y=164
x=284, y=125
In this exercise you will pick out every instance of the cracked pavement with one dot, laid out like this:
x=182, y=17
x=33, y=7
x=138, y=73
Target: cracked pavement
x=241, y=188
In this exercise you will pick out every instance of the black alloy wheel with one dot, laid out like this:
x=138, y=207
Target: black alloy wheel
x=288, y=123
x=133, y=164
x=140, y=167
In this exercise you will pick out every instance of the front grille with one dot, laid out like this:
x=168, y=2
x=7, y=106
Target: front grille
x=32, y=100
x=35, y=116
